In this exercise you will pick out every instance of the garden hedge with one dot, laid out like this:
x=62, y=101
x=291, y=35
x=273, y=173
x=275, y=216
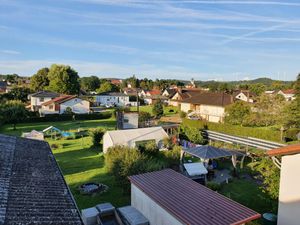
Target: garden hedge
x=255, y=132
x=67, y=117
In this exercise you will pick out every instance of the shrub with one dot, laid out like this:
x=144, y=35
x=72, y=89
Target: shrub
x=144, y=117
x=69, y=111
x=182, y=114
x=167, y=142
x=151, y=148
x=54, y=146
x=122, y=161
x=172, y=157
x=291, y=134
x=67, y=117
x=96, y=135
x=267, y=134
x=194, y=135
x=158, y=109
x=213, y=186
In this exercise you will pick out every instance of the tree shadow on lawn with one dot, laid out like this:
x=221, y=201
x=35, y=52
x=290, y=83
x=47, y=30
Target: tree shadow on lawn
x=76, y=161
x=114, y=195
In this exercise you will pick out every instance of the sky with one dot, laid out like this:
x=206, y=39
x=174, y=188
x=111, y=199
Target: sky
x=173, y=39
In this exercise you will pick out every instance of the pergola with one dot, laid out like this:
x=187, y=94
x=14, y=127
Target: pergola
x=206, y=152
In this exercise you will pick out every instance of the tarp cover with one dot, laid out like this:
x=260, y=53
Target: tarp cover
x=195, y=169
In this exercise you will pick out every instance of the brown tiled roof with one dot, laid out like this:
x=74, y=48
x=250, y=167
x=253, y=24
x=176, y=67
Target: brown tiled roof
x=210, y=98
x=59, y=99
x=190, y=202
x=32, y=188
x=286, y=150
x=153, y=92
x=289, y=91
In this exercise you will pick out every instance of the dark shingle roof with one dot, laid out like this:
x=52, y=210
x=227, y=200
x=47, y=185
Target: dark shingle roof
x=3, y=84
x=210, y=98
x=190, y=202
x=32, y=188
x=112, y=94
x=45, y=94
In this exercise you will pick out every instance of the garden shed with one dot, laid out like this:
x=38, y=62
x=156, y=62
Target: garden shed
x=132, y=136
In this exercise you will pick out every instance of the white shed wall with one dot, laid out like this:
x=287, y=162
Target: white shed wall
x=107, y=142
x=185, y=107
x=150, y=209
x=289, y=191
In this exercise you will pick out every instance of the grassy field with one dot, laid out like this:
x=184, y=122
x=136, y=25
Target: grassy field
x=79, y=162
x=148, y=108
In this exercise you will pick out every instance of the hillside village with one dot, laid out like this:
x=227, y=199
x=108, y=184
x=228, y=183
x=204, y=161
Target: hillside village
x=127, y=146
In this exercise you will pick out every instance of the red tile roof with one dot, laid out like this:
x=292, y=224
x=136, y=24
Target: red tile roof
x=59, y=99
x=286, y=150
x=190, y=202
x=289, y=91
x=154, y=92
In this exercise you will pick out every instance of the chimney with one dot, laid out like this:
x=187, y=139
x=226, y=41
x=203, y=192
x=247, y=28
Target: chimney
x=179, y=90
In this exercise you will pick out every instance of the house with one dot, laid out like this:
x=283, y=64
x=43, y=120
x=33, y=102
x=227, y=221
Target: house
x=244, y=95
x=38, y=98
x=151, y=93
x=150, y=100
x=168, y=92
x=209, y=106
x=116, y=82
x=289, y=195
x=33, y=189
x=60, y=104
x=113, y=99
x=130, y=91
x=3, y=86
x=289, y=94
x=182, y=94
x=167, y=197
x=133, y=137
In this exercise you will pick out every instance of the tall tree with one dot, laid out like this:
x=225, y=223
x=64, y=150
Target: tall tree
x=40, y=81
x=89, y=83
x=158, y=109
x=106, y=87
x=237, y=112
x=13, y=112
x=63, y=79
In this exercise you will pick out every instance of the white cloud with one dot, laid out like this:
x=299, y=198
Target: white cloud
x=9, y=52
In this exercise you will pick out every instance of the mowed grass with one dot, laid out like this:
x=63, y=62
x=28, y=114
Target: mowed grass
x=168, y=110
x=79, y=161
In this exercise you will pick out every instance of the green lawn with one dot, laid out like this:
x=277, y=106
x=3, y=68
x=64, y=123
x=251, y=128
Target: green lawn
x=148, y=108
x=79, y=162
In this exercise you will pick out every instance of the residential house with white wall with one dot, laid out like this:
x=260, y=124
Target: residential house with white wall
x=289, y=94
x=38, y=98
x=245, y=95
x=60, y=104
x=209, y=106
x=113, y=99
x=182, y=94
x=289, y=194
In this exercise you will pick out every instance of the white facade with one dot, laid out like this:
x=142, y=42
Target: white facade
x=210, y=113
x=287, y=96
x=131, y=136
x=78, y=106
x=241, y=96
x=120, y=100
x=289, y=191
x=36, y=102
x=150, y=209
x=130, y=120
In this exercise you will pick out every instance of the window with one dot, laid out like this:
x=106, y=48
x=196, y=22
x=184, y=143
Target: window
x=50, y=106
x=42, y=99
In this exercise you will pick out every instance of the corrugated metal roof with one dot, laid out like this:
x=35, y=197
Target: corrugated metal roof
x=190, y=202
x=287, y=150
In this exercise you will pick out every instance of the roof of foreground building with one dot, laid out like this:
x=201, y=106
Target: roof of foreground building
x=32, y=187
